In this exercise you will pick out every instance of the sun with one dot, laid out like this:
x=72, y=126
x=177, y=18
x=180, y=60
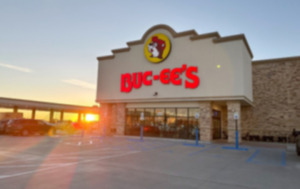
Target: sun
x=91, y=117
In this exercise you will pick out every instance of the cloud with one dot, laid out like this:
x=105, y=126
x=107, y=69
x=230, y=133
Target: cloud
x=79, y=83
x=17, y=68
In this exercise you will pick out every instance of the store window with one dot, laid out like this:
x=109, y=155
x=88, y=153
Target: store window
x=193, y=122
x=162, y=122
x=182, y=123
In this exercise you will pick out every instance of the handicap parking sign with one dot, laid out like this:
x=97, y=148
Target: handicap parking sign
x=142, y=116
x=236, y=115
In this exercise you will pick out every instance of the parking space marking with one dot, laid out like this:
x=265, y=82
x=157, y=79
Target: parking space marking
x=268, y=157
x=60, y=165
x=252, y=156
x=148, y=145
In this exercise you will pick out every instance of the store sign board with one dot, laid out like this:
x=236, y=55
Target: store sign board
x=166, y=76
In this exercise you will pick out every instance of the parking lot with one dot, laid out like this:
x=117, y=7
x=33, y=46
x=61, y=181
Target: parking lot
x=127, y=162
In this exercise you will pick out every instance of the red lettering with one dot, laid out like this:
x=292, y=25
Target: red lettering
x=193, y=77
x=145, y=80
x=175, y=76
x=164, y=76
x=137, y=80
x=126, y=84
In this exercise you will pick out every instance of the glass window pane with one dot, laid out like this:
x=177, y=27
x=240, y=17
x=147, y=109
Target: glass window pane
x=182, y=112
x=130, y=111
x=132, y=126
x=171, y=112
x=193, y=111
x=149, y=121
x=182, y=127
x=159, y=112
x=171, y=124
x=139, y=111
x=159, y=122
x=149, y=112
x=216, y=114
x=193, y=124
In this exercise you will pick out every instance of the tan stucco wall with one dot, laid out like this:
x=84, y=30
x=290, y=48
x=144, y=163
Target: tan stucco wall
x=232, y=80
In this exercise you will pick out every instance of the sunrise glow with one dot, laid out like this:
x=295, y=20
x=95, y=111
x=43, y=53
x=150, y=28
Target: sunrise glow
x=91, y=117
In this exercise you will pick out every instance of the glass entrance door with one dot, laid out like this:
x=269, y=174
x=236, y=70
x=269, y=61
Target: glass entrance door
x=217, y=129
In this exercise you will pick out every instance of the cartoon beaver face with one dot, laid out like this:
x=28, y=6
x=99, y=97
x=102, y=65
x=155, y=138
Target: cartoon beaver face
x=156, y=47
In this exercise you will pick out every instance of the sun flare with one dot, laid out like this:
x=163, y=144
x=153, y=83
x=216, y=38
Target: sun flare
x=91, y=117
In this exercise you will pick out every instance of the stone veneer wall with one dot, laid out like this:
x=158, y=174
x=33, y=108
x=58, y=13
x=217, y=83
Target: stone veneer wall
x=106, y=116
x=120, y=119
x=205, y=121
x=276, y=93
x=114, y=117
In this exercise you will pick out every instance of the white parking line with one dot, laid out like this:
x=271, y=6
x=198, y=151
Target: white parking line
x=27, y=157
x=64, y=165
x=83, y=152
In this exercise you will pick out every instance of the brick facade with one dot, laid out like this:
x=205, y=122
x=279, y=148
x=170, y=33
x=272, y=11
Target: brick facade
x=276, y=92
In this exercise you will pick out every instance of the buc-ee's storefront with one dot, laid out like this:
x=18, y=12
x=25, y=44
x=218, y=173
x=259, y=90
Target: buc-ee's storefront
x=179, y=81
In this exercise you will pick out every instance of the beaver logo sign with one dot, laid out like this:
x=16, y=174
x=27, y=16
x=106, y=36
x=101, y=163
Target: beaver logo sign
x=157, y=48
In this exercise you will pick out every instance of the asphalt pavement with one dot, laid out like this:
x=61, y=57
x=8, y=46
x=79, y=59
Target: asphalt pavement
x=126, y=162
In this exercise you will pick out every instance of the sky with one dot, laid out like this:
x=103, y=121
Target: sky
x=48, y=48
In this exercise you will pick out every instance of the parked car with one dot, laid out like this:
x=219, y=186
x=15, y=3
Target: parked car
x=27, y=127
x=3, y=124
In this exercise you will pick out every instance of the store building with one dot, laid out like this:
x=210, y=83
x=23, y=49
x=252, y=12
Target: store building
x=182, y=81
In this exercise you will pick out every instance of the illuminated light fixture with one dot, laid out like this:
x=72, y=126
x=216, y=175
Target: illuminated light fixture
x=218, y=66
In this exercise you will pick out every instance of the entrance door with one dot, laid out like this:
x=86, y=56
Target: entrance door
x=217, y=125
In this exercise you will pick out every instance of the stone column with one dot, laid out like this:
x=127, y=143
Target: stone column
x=51, y=116
x=233, y=106
x=114, y=117
x=120, y=118
x=33, y=113
x=62, y=115
x=79, y=117
x=205, y=121
x=15, y=109
x=106, y=121
x=84, y=117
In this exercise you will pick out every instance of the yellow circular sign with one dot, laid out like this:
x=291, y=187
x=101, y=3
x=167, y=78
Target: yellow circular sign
x=157, y=48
